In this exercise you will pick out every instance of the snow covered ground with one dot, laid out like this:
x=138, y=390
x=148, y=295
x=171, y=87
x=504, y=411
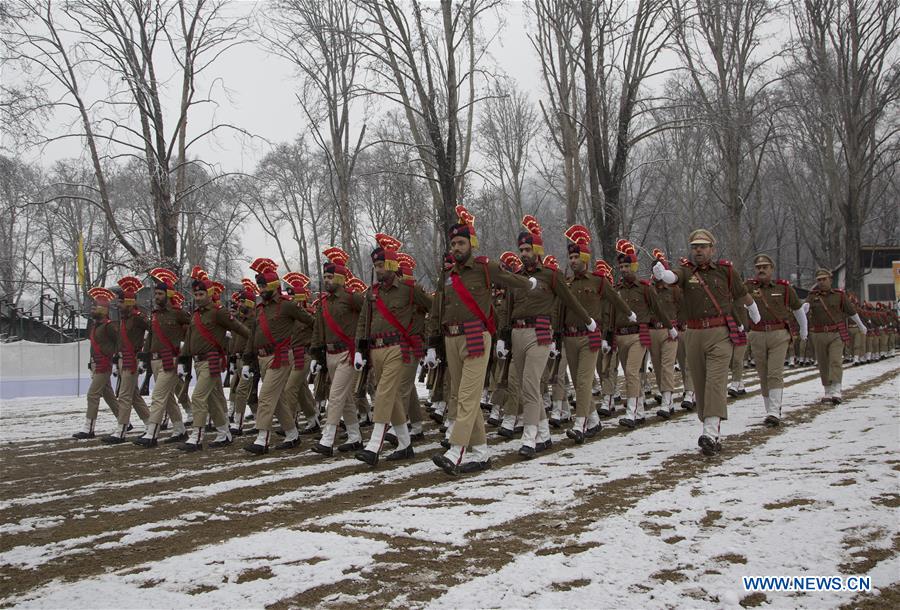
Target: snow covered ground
x=631, y=520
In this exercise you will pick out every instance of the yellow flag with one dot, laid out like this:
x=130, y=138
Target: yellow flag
x=79, y=260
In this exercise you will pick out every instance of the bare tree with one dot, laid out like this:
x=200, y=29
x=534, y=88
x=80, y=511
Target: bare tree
x=121, y=41
x=850, y=52
x=720, y=46
x=19, y=240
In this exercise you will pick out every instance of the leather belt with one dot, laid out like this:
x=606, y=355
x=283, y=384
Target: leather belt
x=628, y=330
x=530, y=322
x=767, y=326
x=454, y=329
x=575, y=331
x=386, y=340
x=706, y=323
x=336, y=348
x=825, y=328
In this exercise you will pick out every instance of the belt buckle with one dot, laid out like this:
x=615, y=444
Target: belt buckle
x=379, y=342
x=704, y=323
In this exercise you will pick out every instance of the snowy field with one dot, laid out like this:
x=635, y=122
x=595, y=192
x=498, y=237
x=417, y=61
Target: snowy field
x=628, y=520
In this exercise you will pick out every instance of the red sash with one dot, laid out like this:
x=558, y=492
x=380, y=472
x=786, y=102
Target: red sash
x=170, y=352
x=129, y=362
x=299, y=352
x=280, y=347
x=469, y=301
x=216, y=356
x=644, y=335
x=411, y=345
x=102, y=362
x=336, y=329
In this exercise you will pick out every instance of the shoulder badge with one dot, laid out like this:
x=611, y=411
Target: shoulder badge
x=684, y=262
x=482, y=259
x=723, y=262
x=783, y=282
x=646, y=282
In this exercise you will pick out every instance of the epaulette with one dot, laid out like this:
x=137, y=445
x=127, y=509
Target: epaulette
x=783, y=282
x=684, y=262
x=482, y=259
x=723, y=262
x=838, y=290
x=646, y=282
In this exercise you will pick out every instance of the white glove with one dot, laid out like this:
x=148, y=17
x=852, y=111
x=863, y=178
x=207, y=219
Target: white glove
x=533, y=282
x=115, y=370
x=142, y=368
x=228, y=334
x=554, y=353
x=592, y=326
x=753, y=312
x=359, y=362
x=181, y=372
x=800, y=316
x=314, y=366
x=658, y=269
x=604, y=347
x=863, y=329
x=245, y=371
x=502, y=352
x=632, y=317
x=740, y=328
x=673, y=334
x=431, y=359
x=805, y=308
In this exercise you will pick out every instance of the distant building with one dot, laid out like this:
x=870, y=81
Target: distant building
x=877, y=270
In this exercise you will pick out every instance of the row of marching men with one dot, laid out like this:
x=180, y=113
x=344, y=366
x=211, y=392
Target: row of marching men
x=376, y=337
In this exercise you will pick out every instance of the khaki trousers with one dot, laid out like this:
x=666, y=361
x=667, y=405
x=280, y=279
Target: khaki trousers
x=608, y=369
x=130, y=396
x=529, y=360
x=467, y=382
x=208, y=398
x=101, y=388
x=391, y=376
x=663, y=352
x=162, y=399
x=582, y=363
x=240, y=391
x=829, y=348
x=297, y=394
x=681, y=358
x=341, y=401
x=631, y=354
x=769, y=349
x=709, y=356
x=737, y=363
x=271, y=395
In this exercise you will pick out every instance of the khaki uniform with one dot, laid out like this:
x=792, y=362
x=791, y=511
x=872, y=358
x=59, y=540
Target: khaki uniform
x=172, y=323
x=828, y=309
x=770, y=338
x=240, y=387
x=208, y=397
x=708, y=347
x=531, y=345
x=467, y=370
x=601, y=302
x=642, y=300
x=344, y=308
x=131, y=340
x=663, y=350
x=105, y=338
x=393, y=359
x=272, y=347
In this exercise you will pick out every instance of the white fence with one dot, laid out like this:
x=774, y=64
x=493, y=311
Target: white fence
x=44, y=369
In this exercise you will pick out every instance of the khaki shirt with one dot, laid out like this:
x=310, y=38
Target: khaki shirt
x=174, y=323
x=669, y=299
x=593, y=292
x=281, y=314
x=477, y=275
x=217, y=320
x=135, y=326
x=723, y=282
x=106, y=336
x=542, y=301
x=837, y=303
x=238, y=343
x=640, y=297
x=401, y=299
x=345, y=308
x=775, y=300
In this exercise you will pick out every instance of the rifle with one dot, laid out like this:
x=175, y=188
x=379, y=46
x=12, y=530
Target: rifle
x=363, y=380
x=557, y=338
x=321, y=377
x=232, y=363
x=145, y=386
